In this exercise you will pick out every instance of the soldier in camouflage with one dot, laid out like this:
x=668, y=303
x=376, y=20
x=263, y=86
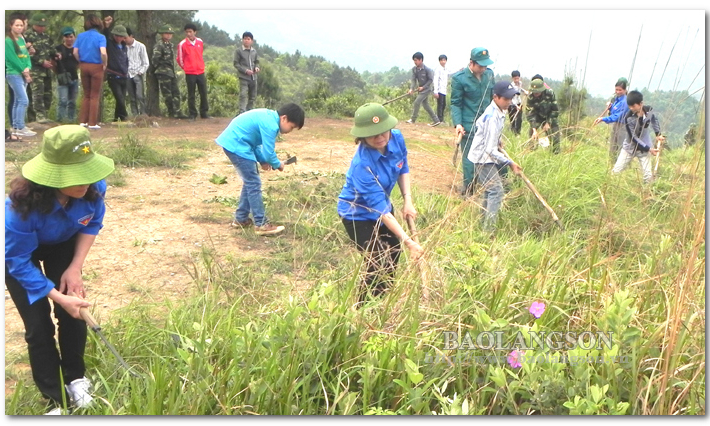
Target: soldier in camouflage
x=41, y=71
x=542, y=113
x=163, y=61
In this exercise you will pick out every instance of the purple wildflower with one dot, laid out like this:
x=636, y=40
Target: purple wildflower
x=537, y=309
x=514, y=358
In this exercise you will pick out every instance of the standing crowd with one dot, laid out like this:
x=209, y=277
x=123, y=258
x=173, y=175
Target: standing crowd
x=106, y=51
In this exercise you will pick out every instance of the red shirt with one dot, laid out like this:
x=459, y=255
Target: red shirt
x=189, y=56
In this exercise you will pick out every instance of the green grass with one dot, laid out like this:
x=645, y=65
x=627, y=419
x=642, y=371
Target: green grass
x=275, y=334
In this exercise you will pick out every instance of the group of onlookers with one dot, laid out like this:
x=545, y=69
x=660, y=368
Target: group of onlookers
x=106, y=51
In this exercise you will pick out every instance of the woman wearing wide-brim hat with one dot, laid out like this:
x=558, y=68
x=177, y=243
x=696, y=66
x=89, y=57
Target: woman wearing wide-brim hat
x=52, y=215
x=364, y=204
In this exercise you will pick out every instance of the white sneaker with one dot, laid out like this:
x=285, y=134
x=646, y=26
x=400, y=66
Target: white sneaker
x=95, y=127
x=84, y=124
x=56, y=411
x=78, y=391
x=24, y=132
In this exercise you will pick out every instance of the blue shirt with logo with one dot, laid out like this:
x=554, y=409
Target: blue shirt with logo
x=252, y=135
x=88, y=44
x=23, y=237
x=371, y=178
x=617, y=111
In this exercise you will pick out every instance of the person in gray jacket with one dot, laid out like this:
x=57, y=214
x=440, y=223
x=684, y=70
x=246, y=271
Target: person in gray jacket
x=639, y=142
x=422, y=79
x=246, y=61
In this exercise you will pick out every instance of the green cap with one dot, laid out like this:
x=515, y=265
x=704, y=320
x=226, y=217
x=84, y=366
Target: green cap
x=67, y=31
x=537, y=86
x=67, y=159
x=372, y=119
x=39, y=19
x=480, y=55
x=119, y=30
x=166, y=29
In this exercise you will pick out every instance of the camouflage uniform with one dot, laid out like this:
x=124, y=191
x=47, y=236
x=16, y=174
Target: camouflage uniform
x=41, y=86
x=543, y=109
x=163, y=62
x=689, y=137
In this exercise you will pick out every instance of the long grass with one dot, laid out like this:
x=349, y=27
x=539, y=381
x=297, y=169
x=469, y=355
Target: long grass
x=278, y=335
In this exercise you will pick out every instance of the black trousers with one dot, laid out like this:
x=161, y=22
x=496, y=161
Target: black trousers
x=11, y=96
x=440, y=106
x=45, y=360
x=382, y=250
x=201, y=82
x=516, y=118
x=119, y=88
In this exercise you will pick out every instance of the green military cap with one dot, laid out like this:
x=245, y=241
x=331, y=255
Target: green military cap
x=166, y=29
x=480, y=56
x=119, y=30
x=67, y=31
x=623, y=80
x=67, y=159
x=537, y=86
x=372, y=119
x=39, y=19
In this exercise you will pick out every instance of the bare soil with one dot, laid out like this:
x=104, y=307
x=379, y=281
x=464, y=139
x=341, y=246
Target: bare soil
x=157, y=223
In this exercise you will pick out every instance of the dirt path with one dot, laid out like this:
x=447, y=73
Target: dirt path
x=157, y=223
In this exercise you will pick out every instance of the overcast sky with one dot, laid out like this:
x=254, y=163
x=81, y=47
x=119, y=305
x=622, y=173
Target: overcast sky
x=532, y=41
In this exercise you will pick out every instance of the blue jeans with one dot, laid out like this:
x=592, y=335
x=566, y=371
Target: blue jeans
x=250, y=199
x=489, y=178
x=66, y=111
x=19, y=107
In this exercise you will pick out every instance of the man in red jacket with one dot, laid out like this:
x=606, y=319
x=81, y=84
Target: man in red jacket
x=189, y=57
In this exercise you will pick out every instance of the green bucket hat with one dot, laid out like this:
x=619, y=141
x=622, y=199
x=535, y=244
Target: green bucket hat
x=67, y=159
x=372, y=119
x=537, y=86
x=481, y=56
x=119, y=30
x=166, y=29
x=39, y=19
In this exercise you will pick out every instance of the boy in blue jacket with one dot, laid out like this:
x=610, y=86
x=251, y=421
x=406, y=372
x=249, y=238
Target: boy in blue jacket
x=638, y=142
x=250, y=139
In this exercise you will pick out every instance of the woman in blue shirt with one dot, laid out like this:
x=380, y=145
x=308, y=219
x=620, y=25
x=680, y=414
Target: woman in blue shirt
x=52, y=215
x=617, y=109
x=364, y=203
x=90, y=51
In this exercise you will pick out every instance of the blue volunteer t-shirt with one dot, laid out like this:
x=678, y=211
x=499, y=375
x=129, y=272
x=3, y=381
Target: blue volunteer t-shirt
x=23, y=237
x=88, y=44
x=371, y=178
x=252, y=135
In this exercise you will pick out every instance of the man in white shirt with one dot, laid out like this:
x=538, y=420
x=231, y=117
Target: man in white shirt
x=137, y=66
x=515, y=111
x=485, y=152
x=441, y=80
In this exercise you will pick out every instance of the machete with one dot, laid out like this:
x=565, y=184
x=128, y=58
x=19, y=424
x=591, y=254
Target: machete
x=91, y=322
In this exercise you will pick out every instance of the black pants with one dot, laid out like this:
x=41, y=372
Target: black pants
x=382, y=250
x=119, y=88
x=45, y=360
x=11, y=96
x=201, y=82
x=440, y=106
x=516, y=118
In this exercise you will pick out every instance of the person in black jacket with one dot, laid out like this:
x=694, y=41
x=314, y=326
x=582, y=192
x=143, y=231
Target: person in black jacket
x=67, y=77
x=117, y=70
